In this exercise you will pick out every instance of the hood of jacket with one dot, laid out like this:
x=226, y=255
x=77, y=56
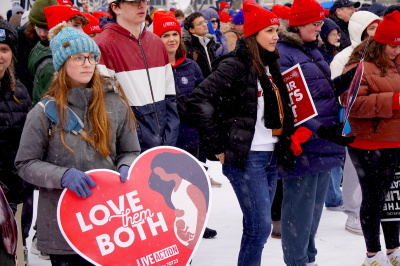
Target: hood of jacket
x=209, y=13
x=294, y=38
x=329, y=25
x=37, y=55
x=359, y=22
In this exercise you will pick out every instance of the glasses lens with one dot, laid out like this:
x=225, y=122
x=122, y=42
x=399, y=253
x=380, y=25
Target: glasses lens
x=94, y=59
x=214, y=21
x=80, y=59
x=202, y=22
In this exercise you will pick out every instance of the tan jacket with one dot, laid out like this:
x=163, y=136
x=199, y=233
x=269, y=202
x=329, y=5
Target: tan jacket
x=231, y=38
x=372, y=116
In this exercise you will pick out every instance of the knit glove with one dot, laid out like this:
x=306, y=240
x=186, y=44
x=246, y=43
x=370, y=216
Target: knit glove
x=332, y=133
x=301, y=135
x=123, y=171
x=78, y=182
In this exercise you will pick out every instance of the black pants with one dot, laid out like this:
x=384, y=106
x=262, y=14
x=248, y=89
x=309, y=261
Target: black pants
x=376, y=170
x=68, y=260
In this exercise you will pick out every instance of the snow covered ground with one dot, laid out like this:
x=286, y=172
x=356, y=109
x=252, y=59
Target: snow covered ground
x=335, y=245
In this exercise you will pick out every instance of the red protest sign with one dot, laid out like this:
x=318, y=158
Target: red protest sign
x=157, y=217
x=300, y=98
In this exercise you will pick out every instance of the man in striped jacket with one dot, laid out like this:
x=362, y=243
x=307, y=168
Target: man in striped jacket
x=139, y=61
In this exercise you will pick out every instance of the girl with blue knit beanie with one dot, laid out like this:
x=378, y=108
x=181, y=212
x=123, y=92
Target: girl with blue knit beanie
x=53, y=157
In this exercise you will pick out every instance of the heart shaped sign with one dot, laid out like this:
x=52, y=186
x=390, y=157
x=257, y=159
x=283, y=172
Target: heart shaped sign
x=157, y=217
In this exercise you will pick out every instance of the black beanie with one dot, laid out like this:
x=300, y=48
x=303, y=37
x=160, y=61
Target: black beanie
x=8, y=36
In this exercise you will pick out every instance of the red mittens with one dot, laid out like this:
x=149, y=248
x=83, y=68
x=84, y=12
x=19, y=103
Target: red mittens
x=301, y=135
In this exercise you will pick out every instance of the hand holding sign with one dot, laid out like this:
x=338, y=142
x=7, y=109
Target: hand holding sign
x=300, y=98
x=156, y=217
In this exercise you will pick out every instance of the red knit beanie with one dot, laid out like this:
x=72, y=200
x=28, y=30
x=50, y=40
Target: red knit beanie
x=281, y=11
x=165, y=21
x=57, y=14
x=223, y=5
x=224, y=17
x=64, y=2
x=388, y=31
x=303, y=12
x=93, y=26
x=257, y=18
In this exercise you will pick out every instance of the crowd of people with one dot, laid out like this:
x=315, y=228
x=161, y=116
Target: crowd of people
x=209, y=82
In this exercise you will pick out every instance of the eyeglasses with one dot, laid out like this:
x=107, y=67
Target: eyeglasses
x=80, y=59
x=334, y=35
x=202, y=22
x=214, y=21
x=318, y=24
x=41, y=30
x=138, y=2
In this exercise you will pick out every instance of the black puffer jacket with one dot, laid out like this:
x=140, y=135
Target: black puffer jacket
x=224, y=107
x=195, y=51
x=12, y=120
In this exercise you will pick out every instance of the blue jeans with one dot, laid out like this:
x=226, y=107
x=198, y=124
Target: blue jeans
x=333, y=196
x=255, y=188
x=303, y=201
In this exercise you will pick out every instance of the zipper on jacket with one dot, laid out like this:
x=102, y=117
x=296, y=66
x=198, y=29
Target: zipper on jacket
x=148, y=78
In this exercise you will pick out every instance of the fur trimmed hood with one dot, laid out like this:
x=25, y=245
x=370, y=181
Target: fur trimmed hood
x=292, y=38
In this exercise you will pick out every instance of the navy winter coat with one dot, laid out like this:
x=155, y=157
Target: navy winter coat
x=187, y=77
x=319, y=154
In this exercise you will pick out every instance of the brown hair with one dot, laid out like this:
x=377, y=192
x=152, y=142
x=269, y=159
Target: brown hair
x=181, y=51
x=80, y=19
x=178, y=13
x=30, y=32
x=99, y=132
x=375, y=52
x=256, y=52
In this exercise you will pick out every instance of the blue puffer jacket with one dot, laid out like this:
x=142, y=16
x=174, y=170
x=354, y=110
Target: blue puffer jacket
x=187, y=76
x=318, y=154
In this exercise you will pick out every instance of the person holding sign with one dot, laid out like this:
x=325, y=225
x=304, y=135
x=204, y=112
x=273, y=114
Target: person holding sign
x=55, y=150
x=244, y=119
x=304, y=188
x=374, y=120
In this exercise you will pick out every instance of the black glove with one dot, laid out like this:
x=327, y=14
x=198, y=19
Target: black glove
x=332, y=134
x=342, y=82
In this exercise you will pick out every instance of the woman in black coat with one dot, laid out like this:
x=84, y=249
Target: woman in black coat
x=244, y=119
x=14, y=106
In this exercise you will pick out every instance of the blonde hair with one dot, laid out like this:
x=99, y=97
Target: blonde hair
x=10, y=73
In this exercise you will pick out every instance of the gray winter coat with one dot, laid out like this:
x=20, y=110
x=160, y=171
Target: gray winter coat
x=42, y=159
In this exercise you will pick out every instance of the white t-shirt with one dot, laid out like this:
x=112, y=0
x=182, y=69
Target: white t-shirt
x=263, y=139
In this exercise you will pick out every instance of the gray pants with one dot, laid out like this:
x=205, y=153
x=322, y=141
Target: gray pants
x=351, y=190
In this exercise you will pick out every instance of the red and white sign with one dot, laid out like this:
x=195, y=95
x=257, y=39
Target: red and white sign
x=157, y=217
x=300, y=98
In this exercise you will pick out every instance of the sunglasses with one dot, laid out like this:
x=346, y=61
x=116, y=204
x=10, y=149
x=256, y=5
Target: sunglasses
x=214, y=20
